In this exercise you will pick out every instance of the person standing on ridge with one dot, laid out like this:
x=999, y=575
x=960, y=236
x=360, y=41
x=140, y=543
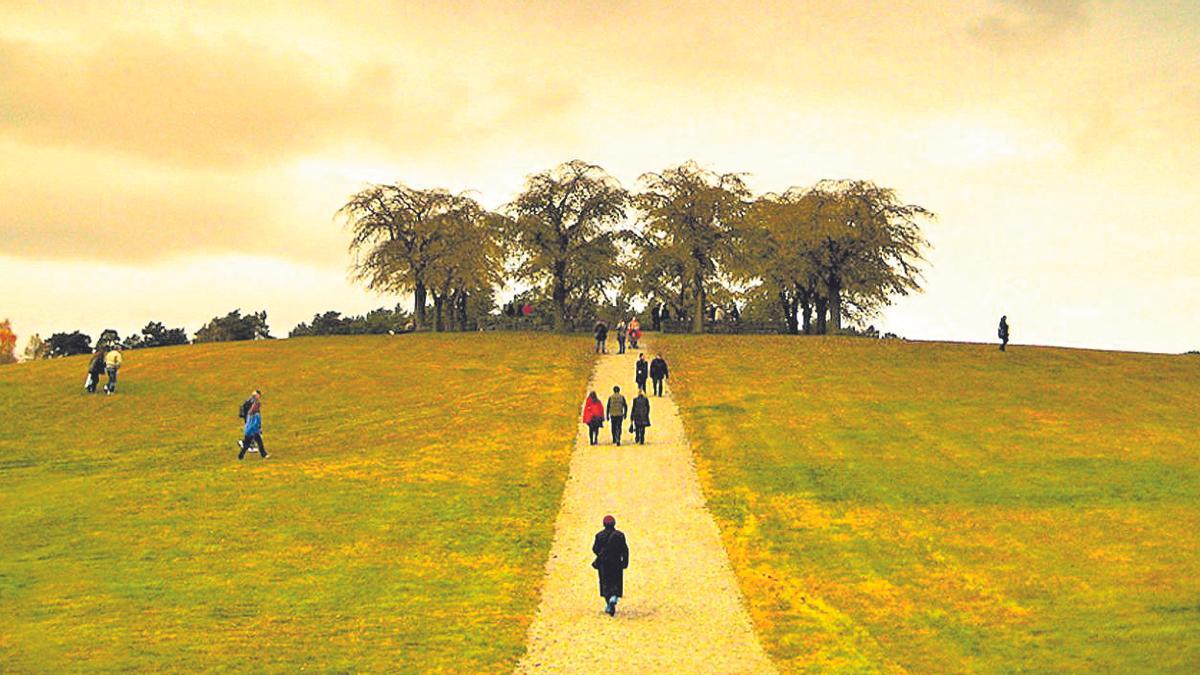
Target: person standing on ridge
x=658, y=373
x=252, y=431
x=616, y=411
x=95, y=370
x=1002, y=332
x=112, y=363
x=639, y=415
x=593, y=417
x=641, y=371
x=601, y=331
x=612, y=559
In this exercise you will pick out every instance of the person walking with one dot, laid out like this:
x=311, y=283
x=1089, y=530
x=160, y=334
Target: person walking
x=612, y=559
x=1002, y=332
x=639, y=414
x=635, y=332
x=112, y=363
x=641, y=371
x=658, y=373
x=593, y=417
x=601, y=331
x=95, y=370
x=621, y=338
x=616, y=410
x=252, y=431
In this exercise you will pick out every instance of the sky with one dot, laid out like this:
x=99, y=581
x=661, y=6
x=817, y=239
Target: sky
x=172, y=162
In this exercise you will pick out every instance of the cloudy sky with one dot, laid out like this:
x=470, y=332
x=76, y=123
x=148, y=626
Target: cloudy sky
x=175, y=161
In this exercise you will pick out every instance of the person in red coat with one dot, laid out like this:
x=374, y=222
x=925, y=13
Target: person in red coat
x=593, y=417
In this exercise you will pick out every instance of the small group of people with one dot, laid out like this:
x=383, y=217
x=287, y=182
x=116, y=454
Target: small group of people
x=617, y=408
x=251, y=412
x=631, y=333
x=103, y=361
x=615, y=411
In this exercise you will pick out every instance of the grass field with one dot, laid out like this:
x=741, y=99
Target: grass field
x=946, y=507
x=402, y=521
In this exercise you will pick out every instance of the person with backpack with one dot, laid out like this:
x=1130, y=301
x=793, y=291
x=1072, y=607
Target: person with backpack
x=639, y=415
x=616, y=410
x=251, y=411
x=593, y=417
x=112, y=363
x=95, y=370
x=658, y=373
x=612, y=559
x=1002, y=332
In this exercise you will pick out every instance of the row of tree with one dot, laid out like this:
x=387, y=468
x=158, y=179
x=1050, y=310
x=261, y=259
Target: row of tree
x=688, y=238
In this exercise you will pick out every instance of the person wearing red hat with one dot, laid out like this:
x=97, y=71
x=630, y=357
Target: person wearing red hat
x=612, y=559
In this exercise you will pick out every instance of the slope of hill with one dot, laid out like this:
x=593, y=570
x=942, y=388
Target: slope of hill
x=939, y=507
x=402, y=520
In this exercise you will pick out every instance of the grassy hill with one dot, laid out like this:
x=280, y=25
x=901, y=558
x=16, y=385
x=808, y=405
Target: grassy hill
x=402, y=520
x=947, y=507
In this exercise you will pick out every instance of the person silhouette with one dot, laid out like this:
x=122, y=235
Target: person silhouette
x=1002, y=332
x=612, y=559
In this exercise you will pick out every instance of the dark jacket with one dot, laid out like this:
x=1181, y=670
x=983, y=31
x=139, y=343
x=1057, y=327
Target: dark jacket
x=96, y=366
x=601, y=331
x=640, y=413
x=658, y=368
x=612, y=557
x=640, y=370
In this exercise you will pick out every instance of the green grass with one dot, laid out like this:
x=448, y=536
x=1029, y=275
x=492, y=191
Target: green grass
x=945, y=507
x=402, y=521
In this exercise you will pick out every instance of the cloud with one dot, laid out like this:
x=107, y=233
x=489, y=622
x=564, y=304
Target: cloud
x=229, y=101
x=1028, y=23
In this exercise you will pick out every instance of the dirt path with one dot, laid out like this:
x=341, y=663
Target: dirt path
x=682, y=609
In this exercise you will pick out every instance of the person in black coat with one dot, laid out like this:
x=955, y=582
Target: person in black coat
x=639, y=415
x=612, y=559
x=95, y=369
x=658, y=373
x=640, y=371
x=1002, y=332
x=601, y=331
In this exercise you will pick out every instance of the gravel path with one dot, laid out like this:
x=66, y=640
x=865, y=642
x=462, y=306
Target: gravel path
x=682, y=609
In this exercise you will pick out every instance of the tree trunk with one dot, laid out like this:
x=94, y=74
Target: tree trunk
x=821, y=306
x=438, y=302
x=559, y=294
x=419, y=298
x=835, y=305
x=463, y=298
x=789, y=311
x=804, y=298
x=698, y=309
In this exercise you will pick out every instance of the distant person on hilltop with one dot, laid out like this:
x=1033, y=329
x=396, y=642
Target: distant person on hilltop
x=616, y=410
x=593, y=417
x=112, y=363
x=95, y=370
x=621, y=337
x=641, y=370
x=612, y=559
x=658, y=373
x=252, y=431
x=639, y=414
x=1002, y=333
x=601, y=331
